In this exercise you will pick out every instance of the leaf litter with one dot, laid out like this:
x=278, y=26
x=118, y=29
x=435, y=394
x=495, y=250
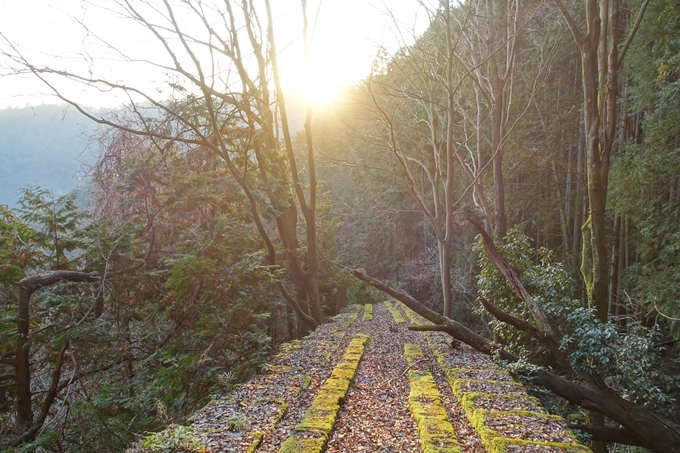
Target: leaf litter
x=374, y=417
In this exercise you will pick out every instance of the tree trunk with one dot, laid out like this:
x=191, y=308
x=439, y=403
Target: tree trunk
x=650, y=430
x=600, y=60
x=445, y=273
x=340, y=298
x=23, y=371
x=453, y=328
x=579, y=207
x=307, y=207
x=563, y=208
x=596, y=180
x=26, y=287
x=614, y=282
x=621, y=307
x=497, y=117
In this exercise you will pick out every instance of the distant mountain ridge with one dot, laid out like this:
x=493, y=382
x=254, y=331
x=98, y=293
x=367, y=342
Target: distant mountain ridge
x=44, y=145
x=48, y=145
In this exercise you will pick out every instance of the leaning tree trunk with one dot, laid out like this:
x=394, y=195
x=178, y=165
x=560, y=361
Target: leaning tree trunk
x=649, y=430
x=442, y=323
x=445, y=274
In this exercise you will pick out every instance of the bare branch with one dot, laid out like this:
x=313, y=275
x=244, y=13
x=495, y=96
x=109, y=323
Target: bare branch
x=609, y=434
x=578, y=37
x=633, y=32
x=528, y=328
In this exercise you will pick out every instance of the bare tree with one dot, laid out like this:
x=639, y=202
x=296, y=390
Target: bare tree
x=444, y=105
x=221, y=59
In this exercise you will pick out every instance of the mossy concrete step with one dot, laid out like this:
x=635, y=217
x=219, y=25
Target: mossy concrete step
x=241, y=418
x=396, y=315
x=436, y=432
x=486, y=386
x=493, y=428
x=368, y=312
x=496, y=406
x=313, y=431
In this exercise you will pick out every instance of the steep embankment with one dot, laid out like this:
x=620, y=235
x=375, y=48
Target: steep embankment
x=366, y=383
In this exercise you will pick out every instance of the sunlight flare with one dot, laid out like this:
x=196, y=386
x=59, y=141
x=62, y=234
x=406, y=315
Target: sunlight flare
x=317, y=81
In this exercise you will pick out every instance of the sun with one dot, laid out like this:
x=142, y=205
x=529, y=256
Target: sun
x=320, y=91
x=313, y=81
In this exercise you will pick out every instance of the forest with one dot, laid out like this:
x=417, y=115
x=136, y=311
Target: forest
x=512, y=175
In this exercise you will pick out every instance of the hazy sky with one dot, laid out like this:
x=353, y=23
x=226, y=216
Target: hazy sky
x=347, y=36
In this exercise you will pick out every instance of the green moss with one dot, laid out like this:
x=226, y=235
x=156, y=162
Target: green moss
x=496, y=443
x=458, y=384
x=414, y=317
x=441, y=357
x=305, y=381
x=353, y=350
x=435, y=430
x=343, y=373
x=424, y=402
x=424, y=397
x=177, y=438
x=413, y=353
x=478, y=420
x=358, y=342
x=230, y=398
x=469, y=399
x=296, y=444
x=236, y=422
x=500, y=443
x=355, y=347
x=351, y=320
x=311, y=434
x=394, y=312
x=325, y=358
x=492, y=440
x=257, y=440
x=350, y=360
x=282, y=411
x=368, y=312
x=319, y=418
x=461, y=372
x=285, y=348
x=337, y=384
x=347, y=365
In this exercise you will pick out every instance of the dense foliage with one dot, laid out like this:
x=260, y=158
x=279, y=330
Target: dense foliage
x=629, y=358
x=148, y=346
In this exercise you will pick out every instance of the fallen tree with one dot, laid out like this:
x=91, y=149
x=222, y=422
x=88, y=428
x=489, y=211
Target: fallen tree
x=442, y=323
x=586, y=389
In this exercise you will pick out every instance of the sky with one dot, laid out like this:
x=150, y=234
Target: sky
x=68, y=34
